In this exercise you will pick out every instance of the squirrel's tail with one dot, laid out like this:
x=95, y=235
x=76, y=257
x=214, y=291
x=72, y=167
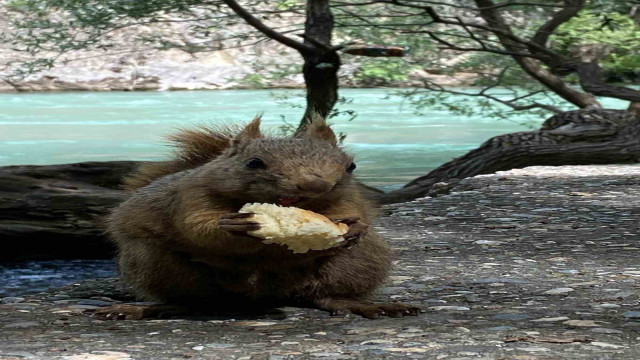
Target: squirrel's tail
x=194, y=147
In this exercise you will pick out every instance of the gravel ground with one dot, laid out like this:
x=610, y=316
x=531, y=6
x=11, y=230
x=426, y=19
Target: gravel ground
x=539, y=263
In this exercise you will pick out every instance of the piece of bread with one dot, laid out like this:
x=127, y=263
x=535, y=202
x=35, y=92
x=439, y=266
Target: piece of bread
x=300, y=230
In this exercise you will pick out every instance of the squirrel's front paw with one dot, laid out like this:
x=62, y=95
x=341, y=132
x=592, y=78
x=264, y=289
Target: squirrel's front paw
x=238, y=222
x=357, y=230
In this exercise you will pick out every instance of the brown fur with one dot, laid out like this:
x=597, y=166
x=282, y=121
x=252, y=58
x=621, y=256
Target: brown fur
x=171, y=248
x=194, y=147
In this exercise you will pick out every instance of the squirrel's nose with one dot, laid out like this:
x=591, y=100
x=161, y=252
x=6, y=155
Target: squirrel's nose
x=314, y=185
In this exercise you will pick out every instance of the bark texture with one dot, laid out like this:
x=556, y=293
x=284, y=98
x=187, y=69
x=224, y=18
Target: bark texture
x=320, y=69
x=581, y=137
x=55, y=211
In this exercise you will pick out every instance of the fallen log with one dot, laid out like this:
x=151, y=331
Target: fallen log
x=580, y=137
x=55, y=211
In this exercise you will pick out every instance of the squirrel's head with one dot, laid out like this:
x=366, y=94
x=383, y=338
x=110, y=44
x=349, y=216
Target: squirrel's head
x=295, y=171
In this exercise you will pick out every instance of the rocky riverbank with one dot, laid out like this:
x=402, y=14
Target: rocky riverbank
x=538, y=263
x=166, y=70
x=183, y=62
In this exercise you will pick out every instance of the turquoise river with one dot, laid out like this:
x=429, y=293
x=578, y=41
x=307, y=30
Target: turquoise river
x=391, y=143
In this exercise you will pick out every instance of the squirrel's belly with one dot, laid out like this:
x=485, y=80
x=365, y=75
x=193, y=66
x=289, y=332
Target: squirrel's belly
x=169, y=277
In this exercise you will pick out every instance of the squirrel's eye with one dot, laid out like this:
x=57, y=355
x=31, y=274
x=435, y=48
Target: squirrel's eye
x=351, y=167
x=255, y=163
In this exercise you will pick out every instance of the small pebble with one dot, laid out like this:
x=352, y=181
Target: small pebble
x=11, y=300
x=449, y=308
x=606, y=345
x=551, y=319
x=632, y=315
x=606, y=331
x=22, y=324
x=608, y=306
x=558, y=291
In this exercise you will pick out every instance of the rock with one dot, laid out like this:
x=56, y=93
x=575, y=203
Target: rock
x=608, y=306
x=256, y=323
x=499, y=280
x=407, y=350
x=100, y=355
x=488, y=242
x=632, y=315
x=222, y=346
x=11, y=300
x=435, y=301
x=551, y=319
x=570, y=272
x=511, y=316
x=95, y=303
x=400, y=279
x=607, y=345
x=449, y=308
x=581, y=323
x=533, y=349
x=558, y=291
x=391, y=290
x=621, y=295
x=22, y=324
x=606, y=331
x=330, y=355
x=501, y=328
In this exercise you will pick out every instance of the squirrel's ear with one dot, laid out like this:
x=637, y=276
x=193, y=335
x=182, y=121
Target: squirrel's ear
x=251, y=131
x=319, y=129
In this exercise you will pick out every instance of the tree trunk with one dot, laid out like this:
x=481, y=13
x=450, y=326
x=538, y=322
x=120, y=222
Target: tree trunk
x=56, y=211
x=321, y=65
x=580, y=137
x=592, y=81
x=321, y=79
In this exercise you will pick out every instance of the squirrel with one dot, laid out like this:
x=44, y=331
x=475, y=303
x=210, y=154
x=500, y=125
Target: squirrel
x=181, y=240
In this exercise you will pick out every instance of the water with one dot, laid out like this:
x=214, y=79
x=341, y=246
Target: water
x=392, y=145
x=35, y=276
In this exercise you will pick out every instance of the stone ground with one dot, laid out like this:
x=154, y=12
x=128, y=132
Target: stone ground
x=540, y=263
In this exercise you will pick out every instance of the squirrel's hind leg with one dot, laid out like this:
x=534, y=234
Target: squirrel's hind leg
x=366, y=309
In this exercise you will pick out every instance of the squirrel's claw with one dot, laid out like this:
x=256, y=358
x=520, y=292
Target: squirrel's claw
x=357, y=231
x=236, y=216
x=238, y=222
x=367, y=309
x=347, y=220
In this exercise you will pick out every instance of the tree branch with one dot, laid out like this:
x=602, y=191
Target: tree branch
x=570, y=9
x=451, y=46
x=483, y=93
x=496, y=6
x=531, y=66
x=592, y=80
x=516, y=3
x=266, y=30
x=500, y=29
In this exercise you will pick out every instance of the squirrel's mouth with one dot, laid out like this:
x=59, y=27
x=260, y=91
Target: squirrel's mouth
x=289, y=200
